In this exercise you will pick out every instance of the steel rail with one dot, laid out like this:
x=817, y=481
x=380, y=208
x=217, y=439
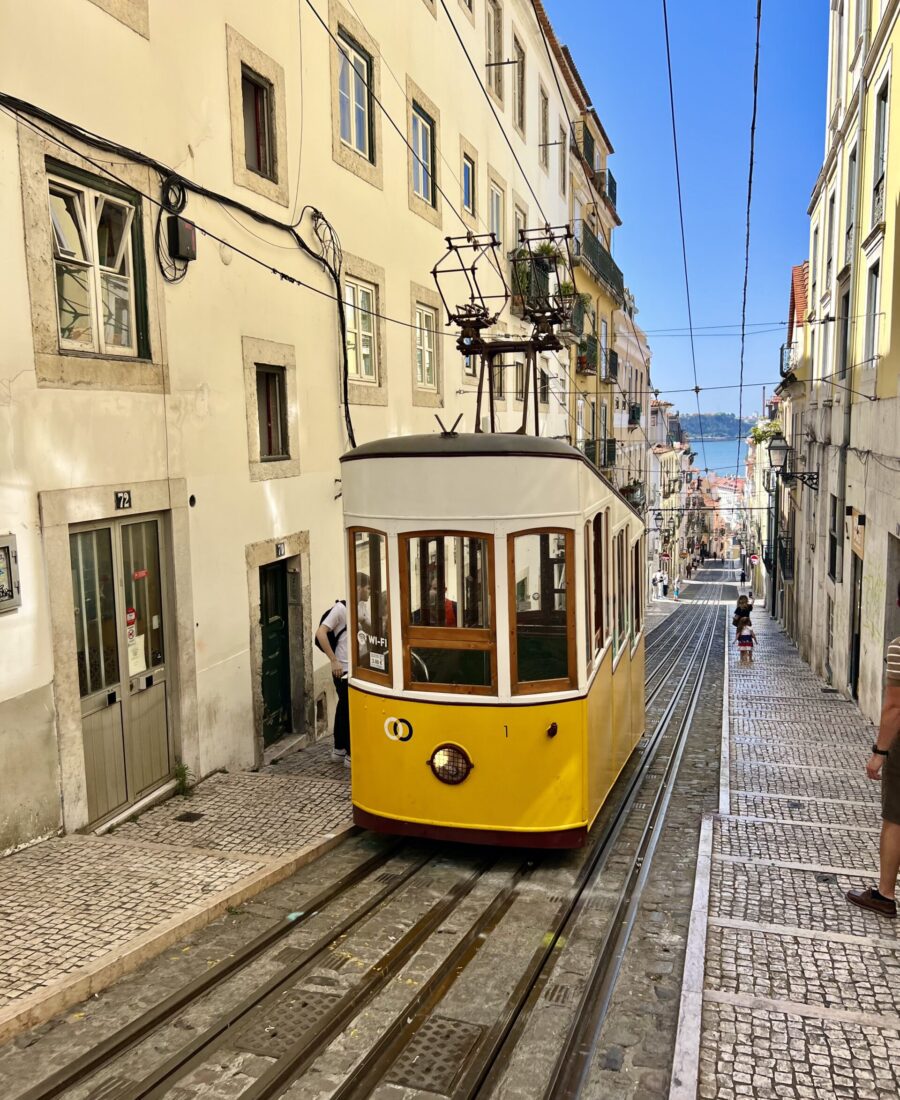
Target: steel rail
x=136, y=1030
x=573, y=1063
x=377, y=1062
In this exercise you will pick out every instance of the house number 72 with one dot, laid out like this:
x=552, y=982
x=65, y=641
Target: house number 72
x=123, y=499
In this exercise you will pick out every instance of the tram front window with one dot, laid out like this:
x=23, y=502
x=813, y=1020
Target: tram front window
x=372, y=629
x=447, y=586
x=540, y=571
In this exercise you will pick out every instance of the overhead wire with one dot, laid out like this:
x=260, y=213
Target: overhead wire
x=687, y=284
x=749, y=203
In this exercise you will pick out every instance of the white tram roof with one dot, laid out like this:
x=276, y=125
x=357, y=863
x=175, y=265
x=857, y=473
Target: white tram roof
x=492, y=476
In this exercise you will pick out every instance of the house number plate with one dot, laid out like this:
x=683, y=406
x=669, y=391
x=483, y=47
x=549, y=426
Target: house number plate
x=123, y=499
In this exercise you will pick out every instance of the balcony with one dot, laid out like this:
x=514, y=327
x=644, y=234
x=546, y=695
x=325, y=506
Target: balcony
x=635, y=494
x=590, y=252
x=612, y=360
x=588, y=355
x=634, y=415
x=529, y=283
x=610, y=188
x=786, y=557
x=788, y=359
x=608, y=454
x=575, y=324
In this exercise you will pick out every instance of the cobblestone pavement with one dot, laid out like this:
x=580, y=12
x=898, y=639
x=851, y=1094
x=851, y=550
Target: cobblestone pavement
x=789, y=991
x=76, y=907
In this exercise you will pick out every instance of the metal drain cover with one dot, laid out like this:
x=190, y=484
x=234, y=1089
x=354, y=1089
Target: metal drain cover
x=189, y=815
x=826, y=877
x=558, y=994
x=273, y=1029
x=436, y=1056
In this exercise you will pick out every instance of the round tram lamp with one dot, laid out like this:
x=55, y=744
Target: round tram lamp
x=778, y=451
x=450, y=764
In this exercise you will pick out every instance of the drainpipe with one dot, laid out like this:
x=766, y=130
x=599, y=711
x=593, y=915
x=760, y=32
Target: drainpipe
x=775, y=547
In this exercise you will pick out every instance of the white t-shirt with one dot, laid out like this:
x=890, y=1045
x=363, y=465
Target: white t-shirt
x=336, y=622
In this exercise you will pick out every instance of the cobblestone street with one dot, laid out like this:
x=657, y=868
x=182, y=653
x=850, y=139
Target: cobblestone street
x=789, y=991
x=79, y=911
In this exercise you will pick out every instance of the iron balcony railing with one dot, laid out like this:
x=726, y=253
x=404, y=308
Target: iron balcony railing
x=588, y=355
x=787, y=359
x=608, y=457
x=529, y=283
x=611, y=188
x=612, y=366
x=786, y=556
x=590, y=251
x=634, y=415
x=575, y=323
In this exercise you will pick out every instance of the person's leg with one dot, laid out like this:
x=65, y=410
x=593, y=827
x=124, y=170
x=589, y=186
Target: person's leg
x=341, y=718
x=889, y=858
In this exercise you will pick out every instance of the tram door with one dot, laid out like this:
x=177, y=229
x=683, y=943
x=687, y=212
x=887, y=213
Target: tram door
x=119, y=588
x=276, y=654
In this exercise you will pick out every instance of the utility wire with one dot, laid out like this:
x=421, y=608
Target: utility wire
x=687, y=285
x=749, y=201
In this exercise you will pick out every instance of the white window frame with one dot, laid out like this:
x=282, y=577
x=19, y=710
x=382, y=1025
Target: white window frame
x=518, y=88
x=468, y=168
x=355, y=313
x=544, y=126
x=426, y=357
x=870, y=351
x=351, y=57
x=496, y=202
x=88, y=217
x=880, y=145
x=423, y=155
x=493, y=31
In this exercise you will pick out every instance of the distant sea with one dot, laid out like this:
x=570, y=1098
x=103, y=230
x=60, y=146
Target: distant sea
x=720, y=456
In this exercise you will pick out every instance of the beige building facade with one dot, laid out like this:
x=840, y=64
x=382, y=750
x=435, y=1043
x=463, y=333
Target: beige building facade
x=170, y=524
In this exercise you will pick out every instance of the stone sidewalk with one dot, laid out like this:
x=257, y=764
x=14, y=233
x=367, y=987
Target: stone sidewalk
x=788, y=990
x=77, y=912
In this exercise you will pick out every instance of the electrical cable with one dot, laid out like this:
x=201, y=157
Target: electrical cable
x=747, y=236
x=687, y=285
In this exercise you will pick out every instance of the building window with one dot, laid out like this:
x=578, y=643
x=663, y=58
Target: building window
x=468, y=184
x=544, y=386
x=844, y=334
x=354, y=83
x=519, y=85
x=469, y=365
x=880, y=166
x=544, y=127
x=359, y=310
x=493, y=23
x=851, y=206
x=496, y=213
x=423, y=155
x=94, y=252
x=829, y=244
x=871, y=348
x=563, y=161
x=834, y=538
x=814, y=277
x=426, y=374
x=497, y=376
x=271, y=408
x=256, y=94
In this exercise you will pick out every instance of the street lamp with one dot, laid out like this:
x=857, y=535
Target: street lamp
x=778, y=452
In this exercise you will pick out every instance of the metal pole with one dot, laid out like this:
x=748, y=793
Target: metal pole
x=775, y=548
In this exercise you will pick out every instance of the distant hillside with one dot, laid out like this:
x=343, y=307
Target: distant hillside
x=716, y=425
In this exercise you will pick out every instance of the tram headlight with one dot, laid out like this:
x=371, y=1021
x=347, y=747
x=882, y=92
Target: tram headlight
x=450, y=764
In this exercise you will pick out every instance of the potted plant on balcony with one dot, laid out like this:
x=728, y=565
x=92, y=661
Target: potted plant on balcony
x=546, y=256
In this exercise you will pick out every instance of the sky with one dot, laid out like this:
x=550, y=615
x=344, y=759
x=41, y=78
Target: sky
x=619, y=49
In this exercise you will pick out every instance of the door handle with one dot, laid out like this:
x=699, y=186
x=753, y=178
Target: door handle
x=111, y=698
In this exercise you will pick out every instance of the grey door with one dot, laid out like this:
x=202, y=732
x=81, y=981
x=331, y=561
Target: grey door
x=119, y=587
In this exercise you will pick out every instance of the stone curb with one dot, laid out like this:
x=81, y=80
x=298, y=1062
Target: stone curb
x=103, y=972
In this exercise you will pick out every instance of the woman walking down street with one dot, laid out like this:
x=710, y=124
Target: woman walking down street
x=743, y=576
x=665, y=585
x=745, y=640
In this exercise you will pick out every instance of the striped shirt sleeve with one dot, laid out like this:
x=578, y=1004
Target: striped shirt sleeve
x=893, y=663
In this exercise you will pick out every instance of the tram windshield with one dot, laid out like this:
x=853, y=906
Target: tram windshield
x=447, y=605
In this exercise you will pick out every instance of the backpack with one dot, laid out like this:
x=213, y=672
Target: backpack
x=332, y=637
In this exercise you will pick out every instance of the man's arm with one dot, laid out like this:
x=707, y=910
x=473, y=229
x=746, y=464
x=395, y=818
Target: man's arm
x=337, y=669
x=887, y=727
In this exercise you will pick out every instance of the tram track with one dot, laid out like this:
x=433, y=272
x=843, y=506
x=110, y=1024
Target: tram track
x=499, y=1040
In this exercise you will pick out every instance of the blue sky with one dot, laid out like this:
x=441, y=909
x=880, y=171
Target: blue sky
x=620, y=52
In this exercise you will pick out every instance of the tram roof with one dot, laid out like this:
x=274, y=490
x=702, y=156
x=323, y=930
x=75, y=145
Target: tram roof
x=464, y=444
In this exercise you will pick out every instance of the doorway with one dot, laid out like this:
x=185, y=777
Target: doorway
x=855, y=624
x=276, y=652
x=121, y=618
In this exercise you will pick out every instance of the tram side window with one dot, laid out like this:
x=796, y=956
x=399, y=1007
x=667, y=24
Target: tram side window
x=621, y=610
x=600, y=625
x=636, y=574
x=588, y=597
x=447, y=582
x=371, y=628
x=541, y=575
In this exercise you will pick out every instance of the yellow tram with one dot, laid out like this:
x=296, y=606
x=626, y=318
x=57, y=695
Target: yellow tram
x=496, y=637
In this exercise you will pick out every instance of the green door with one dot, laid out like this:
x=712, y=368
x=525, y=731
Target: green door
x=276, y=654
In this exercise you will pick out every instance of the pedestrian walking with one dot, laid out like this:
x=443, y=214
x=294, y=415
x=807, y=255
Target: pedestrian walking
x=653, y=583
x=665, y=585
x=743, y=576
x=884, y=765
x=677, y=583
x=745, y=640
x=331, y=638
